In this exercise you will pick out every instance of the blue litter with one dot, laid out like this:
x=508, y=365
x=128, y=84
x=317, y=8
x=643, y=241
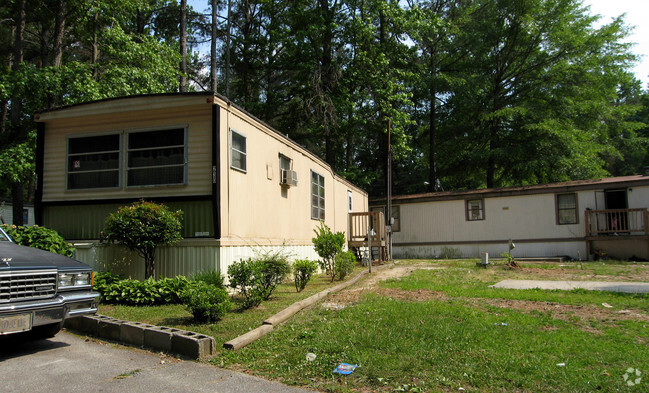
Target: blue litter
x=345, y=369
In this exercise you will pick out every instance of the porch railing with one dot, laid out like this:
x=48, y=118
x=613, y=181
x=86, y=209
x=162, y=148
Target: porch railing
x=359, y=224
x=612, y=222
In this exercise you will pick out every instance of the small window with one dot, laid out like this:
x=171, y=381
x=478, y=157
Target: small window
x=156, y=157
x=94, y=162
x=284, y=164
x=567, y=209
x=350, y=201
x=237, y=151
x=475, y=210
x=396, y=214
x=317, y=196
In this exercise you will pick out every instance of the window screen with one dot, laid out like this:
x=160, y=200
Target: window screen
x=238, y=151
x=93, y=162
x=567, y=209
x=156, y=157
x=317, y=196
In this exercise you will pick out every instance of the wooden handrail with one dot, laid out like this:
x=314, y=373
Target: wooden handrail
x=616, y=222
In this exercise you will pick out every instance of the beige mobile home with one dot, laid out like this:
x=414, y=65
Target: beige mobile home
x=243, y=187
x=578, y=219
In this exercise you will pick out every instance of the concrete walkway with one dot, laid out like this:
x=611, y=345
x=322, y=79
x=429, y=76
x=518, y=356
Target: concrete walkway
x=628, y=287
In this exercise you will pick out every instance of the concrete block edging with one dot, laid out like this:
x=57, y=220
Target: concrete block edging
x=159, y=338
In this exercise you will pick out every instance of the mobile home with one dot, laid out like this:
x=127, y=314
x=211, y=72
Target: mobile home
x=578, y=219
x=242, y=186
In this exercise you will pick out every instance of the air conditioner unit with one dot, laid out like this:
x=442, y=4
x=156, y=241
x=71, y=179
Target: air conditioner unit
x=289, y=178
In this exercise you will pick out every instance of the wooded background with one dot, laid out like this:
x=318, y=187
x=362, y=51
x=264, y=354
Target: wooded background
x=479, y=93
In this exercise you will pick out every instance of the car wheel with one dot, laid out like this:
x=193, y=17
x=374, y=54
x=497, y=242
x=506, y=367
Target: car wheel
x=46, y=331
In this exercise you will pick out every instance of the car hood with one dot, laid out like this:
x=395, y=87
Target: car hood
x=13, y=256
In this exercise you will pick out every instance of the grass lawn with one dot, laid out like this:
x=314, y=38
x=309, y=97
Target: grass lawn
x=442, y=328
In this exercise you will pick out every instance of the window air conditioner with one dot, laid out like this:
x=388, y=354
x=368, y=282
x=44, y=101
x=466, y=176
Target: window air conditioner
x=289, y=178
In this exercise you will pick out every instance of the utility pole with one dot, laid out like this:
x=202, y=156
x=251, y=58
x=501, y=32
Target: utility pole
x=389, y=196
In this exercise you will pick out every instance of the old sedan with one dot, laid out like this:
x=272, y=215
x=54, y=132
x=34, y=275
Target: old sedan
x=39, y=290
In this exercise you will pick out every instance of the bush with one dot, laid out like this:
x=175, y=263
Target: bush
x=39, y=237
x=142, y=227
x=327, y=244
x=211, y=277
x=140, y=293
x=206, y=302
x=303, y=269
x=345, y=263
x=256, y=279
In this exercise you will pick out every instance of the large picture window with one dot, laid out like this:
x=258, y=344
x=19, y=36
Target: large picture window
x=94, y=162
x=238, y=151
x=567, y=209
x=133, y=159
x=317, y=196
x=156, y=157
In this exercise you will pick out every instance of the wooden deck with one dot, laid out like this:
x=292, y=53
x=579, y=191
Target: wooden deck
x=360, y=224
x=616, y=225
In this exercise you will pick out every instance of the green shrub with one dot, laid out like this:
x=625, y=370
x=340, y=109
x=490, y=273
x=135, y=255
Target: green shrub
x=39, y=237
x=303, y=269
x=211, y=277
x=345, y=263
x=142, y=227
x=327, y=244
x=140, y=293
x=256, y=279
x=206, y=302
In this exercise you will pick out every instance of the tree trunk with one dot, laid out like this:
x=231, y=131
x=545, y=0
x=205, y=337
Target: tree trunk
x=17, y=201
x=16, y=107
x=149, y=264
x=213, y=81
x=432, y=119
x=327, y=81
x=183, y=46
x=95, y=46
x=59, y=32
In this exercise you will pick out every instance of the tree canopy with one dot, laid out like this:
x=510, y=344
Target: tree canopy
x=477, y=93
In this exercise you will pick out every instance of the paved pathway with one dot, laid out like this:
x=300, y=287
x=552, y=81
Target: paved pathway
x=68, y=363
x=628, y=287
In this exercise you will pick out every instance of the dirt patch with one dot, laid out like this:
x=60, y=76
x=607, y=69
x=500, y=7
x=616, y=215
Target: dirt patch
x=370, y=284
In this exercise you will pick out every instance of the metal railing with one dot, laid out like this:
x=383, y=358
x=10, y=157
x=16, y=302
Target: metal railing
x=613, y=222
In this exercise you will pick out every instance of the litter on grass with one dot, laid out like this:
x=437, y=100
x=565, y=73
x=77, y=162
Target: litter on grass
x=345, y=369
x=500, y=324
x=310, y=356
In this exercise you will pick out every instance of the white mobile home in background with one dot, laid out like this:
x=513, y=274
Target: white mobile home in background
x=7, y=215
x=575, y=219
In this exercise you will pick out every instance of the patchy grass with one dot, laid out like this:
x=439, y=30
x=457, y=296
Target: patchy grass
x=441, y=330
x=234, y=324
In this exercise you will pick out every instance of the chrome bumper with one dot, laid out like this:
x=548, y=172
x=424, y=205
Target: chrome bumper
x=63, y=306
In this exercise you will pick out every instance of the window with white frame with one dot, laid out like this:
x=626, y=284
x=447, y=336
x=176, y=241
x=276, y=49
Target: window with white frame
x=566, y=209
x=238, y=151
x=475, y=209
x=317, y=196
x=156, y=157
x=93, y=162
x=350, y=199
x=396, y=215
